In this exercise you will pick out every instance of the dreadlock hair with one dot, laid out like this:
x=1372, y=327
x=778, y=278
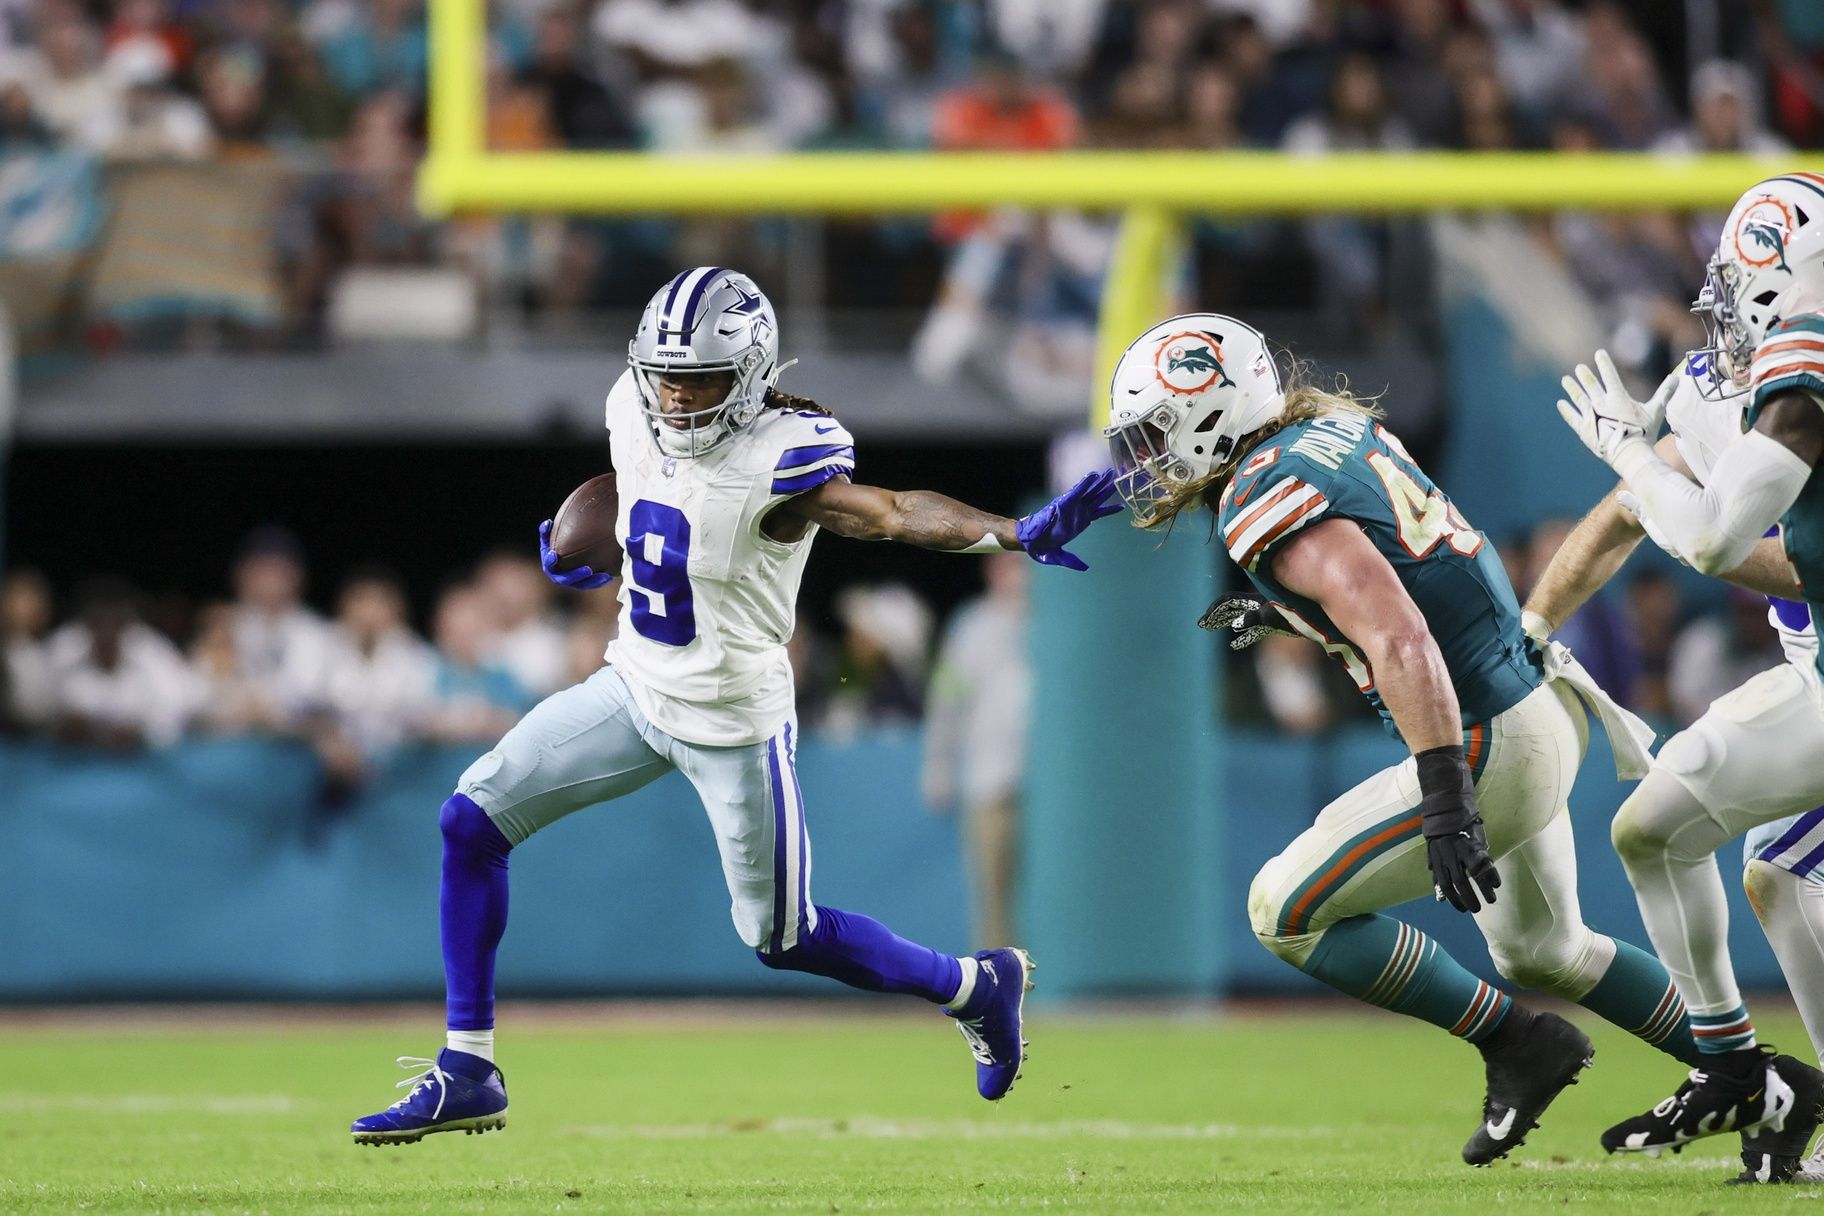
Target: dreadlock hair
x=1305, y=401
x=776, y=400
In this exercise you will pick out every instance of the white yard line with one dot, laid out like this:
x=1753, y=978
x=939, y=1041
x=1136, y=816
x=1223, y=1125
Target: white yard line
x=151, y=1104
x=868, y=1127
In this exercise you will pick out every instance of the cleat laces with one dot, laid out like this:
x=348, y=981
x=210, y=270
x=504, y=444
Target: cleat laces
x=427, y=1073
x=978, y=1044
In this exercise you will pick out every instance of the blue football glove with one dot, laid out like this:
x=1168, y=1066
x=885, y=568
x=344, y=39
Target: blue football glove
x=1045, y=532
x=581, y=579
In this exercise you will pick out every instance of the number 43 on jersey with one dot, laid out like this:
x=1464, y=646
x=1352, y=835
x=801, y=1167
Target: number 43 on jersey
x=1425, y=518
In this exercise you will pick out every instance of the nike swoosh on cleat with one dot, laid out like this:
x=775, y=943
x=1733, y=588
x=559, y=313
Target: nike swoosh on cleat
x=824, y=430
x=1498, y=1129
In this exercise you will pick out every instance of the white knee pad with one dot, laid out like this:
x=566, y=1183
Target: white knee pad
x=1661, y=819
x=1265, y=898
x=1564, y=962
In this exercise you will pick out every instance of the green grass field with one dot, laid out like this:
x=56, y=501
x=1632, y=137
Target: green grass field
x=1259, y=1112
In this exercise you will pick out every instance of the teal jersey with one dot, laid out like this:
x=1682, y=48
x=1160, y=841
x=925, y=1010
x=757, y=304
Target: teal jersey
x=1347, y=466
x=1791, y=358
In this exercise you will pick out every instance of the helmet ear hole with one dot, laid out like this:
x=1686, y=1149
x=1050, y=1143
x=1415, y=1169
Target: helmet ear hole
x=1766, y=298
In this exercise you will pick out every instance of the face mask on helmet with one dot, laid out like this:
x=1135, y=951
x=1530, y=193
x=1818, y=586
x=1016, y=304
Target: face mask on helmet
x=705, y=322
x=690, y=413
x=1145, y=469
x=1728, y=349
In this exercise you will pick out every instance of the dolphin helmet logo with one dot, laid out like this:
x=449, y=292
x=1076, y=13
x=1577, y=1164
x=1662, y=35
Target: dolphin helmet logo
x=1190, y=363
x=1760, y=235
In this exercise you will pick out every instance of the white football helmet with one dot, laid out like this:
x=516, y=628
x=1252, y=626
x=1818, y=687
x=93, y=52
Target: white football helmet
x=706, y=320
x=1184, y=393
x=1772, y=250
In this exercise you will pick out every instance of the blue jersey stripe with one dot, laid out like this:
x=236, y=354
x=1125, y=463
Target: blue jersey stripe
x=1794, y=834
x=1809, y=862
x=794, y=457
x=811, y=480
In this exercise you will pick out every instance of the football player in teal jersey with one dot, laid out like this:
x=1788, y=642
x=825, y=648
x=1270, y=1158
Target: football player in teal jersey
x=1348, y=543
x=1765, y=288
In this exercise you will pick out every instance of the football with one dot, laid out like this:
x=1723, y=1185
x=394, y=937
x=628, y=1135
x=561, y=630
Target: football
x=582, y=531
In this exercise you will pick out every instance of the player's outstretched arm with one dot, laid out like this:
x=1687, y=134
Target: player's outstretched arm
x=1335, y=565
x=1714, y=527
x=934, y=521
x=1592, y=553
x=1589, y=557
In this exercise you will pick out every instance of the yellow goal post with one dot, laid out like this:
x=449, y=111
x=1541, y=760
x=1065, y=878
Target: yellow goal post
x=1153, y=190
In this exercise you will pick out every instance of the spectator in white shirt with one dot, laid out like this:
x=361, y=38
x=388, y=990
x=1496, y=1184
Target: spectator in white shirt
x=527, y=639
x=976, y=720
x=280, y=645
x=374, y=687
x=72, y=94
x=120, y=684
x=230, y=700
x=27, y=692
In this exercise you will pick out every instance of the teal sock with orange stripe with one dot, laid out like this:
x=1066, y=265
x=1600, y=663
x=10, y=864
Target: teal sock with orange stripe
x=1724, y=1031
x=1637, y=994
x=1389, y=963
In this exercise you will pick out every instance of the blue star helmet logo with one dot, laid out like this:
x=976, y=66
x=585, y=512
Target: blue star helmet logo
x=749, y=309
x=750, y=305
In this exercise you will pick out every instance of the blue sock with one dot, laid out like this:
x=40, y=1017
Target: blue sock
x=864, y=953
x=473, y=905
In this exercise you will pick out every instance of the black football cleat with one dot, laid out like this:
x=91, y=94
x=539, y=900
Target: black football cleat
x=1524, y=1076
x=1778, y=1156
x=1741, y=1095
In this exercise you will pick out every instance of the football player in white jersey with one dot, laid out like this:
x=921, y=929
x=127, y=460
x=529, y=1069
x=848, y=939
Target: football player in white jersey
x=723, y=484
x=1761, y=746
x=1764, y=292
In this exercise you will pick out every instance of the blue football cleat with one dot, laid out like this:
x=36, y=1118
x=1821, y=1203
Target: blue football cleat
x=456, y=1092
x=992, y=1017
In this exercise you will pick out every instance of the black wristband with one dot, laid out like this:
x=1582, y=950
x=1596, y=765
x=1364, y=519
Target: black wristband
x=1446, y=786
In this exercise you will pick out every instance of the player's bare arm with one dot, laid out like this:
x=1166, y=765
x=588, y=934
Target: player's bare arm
x=935, y=521
x=1589, y=557
x=914, y=517
x=1336, y=566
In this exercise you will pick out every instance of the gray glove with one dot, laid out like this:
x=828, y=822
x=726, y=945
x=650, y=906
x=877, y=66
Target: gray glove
x=1247, y=618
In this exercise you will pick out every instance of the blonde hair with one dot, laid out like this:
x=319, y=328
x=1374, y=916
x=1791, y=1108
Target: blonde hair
x=1304, y=402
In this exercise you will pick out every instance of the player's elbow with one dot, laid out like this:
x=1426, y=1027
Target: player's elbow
x=1714, y=555
x=1402, y=645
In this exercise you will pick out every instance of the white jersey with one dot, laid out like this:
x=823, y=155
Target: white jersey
x=708, y=601
x=1704, y=427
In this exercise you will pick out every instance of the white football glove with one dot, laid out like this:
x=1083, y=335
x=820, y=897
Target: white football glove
x=1605, y=415
x=1631, y=505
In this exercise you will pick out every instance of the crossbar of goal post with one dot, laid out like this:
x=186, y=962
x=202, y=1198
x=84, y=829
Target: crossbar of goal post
x=1153, y=189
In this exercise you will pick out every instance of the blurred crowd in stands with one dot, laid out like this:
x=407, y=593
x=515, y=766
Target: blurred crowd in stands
x=108, y=666
x=300, y=123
